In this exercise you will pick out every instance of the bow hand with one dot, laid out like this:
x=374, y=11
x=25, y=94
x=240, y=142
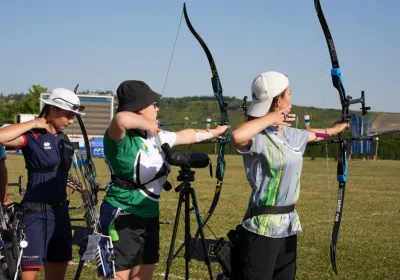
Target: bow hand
x=219, y=130
x=340, y=127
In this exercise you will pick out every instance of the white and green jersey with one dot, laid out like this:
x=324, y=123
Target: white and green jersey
x=273, y=167
x=137, y=158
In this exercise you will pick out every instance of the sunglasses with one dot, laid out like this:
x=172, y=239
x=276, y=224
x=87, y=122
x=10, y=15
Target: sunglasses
x=74, y=107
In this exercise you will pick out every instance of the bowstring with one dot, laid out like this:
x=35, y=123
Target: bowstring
x=172, y=55
x=166, y=80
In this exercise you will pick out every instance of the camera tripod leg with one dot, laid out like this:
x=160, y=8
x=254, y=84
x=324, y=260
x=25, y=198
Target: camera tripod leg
x=188, y=240
x=200, y=226
x=184, y=196
x=171, y=247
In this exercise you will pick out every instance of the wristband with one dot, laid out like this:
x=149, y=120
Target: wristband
x=202, y=136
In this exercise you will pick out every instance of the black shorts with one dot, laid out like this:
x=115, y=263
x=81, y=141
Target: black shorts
x=259, y=257
x=139, y=241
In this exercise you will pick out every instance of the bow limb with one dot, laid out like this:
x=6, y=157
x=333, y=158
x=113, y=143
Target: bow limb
x=345, y=101
x=342, y=159
x=90, y=169
x=217, y=88
x=89, y=190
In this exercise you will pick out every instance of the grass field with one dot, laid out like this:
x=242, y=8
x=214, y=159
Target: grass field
x=369, y=243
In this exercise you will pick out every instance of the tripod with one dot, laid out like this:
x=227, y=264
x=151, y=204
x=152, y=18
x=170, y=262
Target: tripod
x=185, y=193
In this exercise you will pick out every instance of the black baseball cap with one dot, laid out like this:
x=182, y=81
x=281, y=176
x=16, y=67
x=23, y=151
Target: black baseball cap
x=135, y=95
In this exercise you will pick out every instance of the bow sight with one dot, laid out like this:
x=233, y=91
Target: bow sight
x=348, y=101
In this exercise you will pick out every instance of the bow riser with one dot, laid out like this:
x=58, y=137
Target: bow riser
x=342, y=164
x=221, y=164
x=217, y=88
x=337, y=82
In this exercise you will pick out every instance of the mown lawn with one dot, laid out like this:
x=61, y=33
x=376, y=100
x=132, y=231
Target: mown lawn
x=368, y=246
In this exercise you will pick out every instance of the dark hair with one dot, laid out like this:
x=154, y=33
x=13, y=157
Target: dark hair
x=274, y=103
x=45, y=111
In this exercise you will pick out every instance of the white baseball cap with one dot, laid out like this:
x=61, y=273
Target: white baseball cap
x=265, y=87
x=65, y=99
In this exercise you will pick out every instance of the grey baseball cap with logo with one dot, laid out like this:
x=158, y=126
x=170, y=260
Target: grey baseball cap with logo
x=264, y=88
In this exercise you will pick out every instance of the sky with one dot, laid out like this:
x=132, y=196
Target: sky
x=99, y=44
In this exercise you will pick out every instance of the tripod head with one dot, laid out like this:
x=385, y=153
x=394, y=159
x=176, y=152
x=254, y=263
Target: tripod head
x=185, y=174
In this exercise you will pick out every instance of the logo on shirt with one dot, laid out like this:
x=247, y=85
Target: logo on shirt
x=277, y=140
x=46, y=146
x=68, y=146
x=144, y=147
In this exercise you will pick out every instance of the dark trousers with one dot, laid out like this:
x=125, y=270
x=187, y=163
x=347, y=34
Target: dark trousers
x=257, y=257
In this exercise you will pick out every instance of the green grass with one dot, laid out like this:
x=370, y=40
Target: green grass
x=368, y=246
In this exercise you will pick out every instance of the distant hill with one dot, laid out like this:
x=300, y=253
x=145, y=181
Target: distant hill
x=193, y=109
x=199, y=108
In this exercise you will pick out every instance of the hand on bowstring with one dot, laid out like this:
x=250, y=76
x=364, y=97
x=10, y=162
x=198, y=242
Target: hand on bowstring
x=282, y=117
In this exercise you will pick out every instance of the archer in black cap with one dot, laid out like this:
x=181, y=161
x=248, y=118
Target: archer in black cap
x=132, y=150
x=135, y=95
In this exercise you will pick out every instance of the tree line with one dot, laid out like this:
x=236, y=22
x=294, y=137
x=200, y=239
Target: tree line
x=199, y=109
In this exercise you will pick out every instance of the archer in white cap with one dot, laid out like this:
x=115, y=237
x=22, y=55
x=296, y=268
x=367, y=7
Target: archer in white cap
x=273, y=156
x=64, y=99
x=48, y=156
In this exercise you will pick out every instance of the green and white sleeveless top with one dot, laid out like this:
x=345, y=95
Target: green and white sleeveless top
x=273, y=167
x=137, y=158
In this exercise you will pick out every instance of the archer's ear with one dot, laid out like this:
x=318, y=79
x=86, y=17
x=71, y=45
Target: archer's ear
x=279, y=103
x=52, y=109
